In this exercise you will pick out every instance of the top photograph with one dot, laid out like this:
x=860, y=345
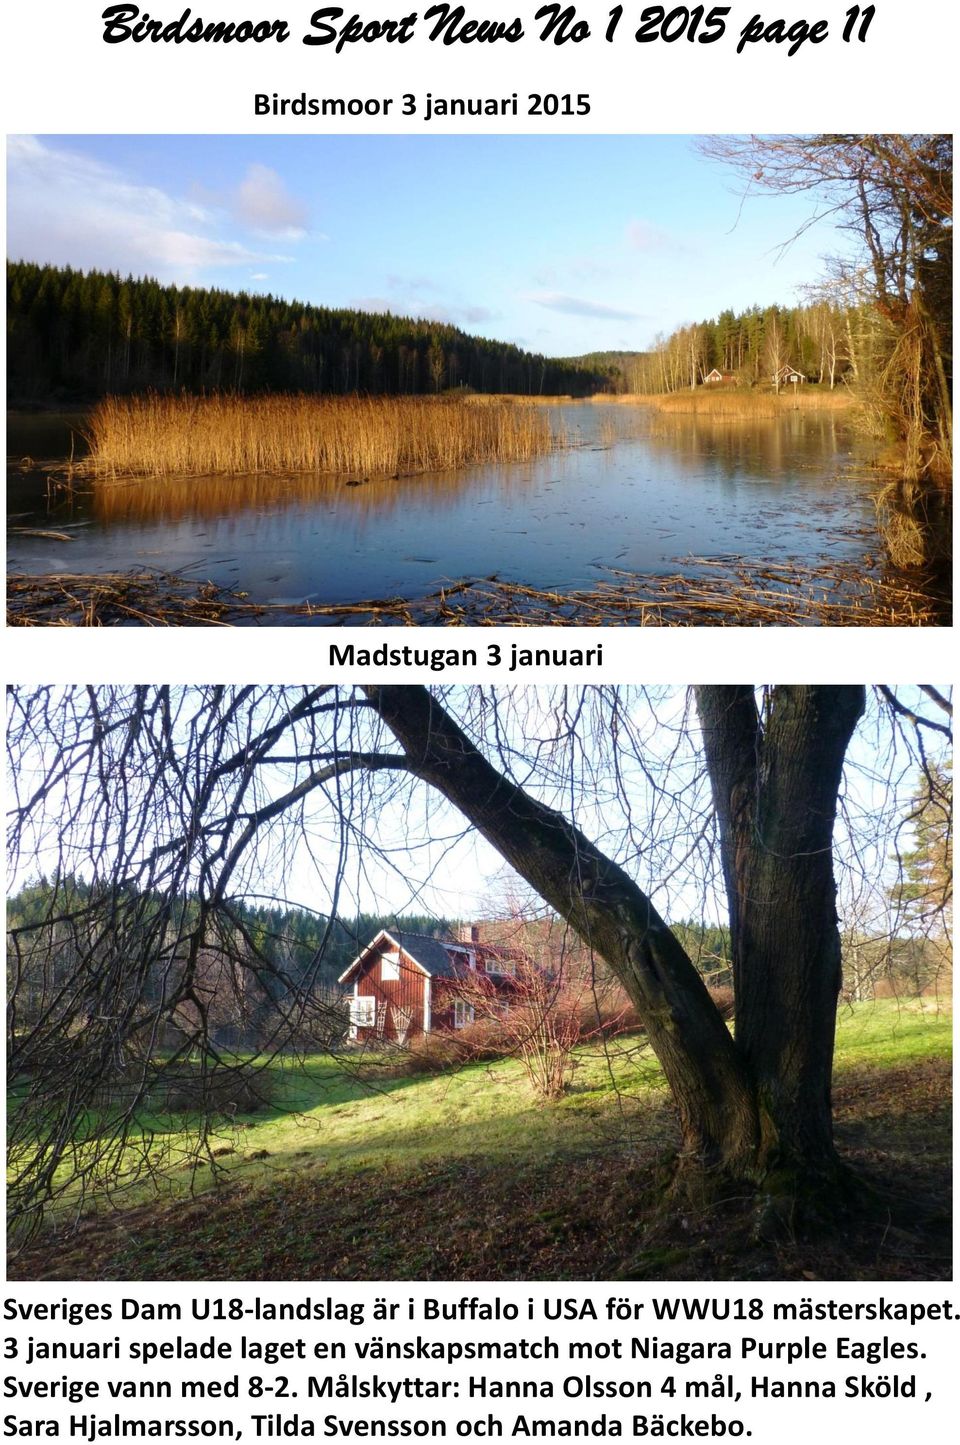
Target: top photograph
x=450, y=380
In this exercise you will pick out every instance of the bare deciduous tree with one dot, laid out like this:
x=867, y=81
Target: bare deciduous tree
x=895, y=193
x=153, y=811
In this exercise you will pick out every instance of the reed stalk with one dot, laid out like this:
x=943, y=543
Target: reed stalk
x=777, y=595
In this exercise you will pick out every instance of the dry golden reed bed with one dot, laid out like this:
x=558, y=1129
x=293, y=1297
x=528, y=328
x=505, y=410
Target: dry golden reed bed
x=163, y=436
x=748, y=403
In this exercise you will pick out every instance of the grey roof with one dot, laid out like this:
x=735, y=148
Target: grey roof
x=430, y=953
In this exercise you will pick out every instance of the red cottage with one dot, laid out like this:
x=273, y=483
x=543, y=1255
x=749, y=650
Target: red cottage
x=405, y=984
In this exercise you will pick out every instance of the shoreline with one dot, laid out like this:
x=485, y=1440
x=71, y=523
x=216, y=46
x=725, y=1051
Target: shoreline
x=732, y=592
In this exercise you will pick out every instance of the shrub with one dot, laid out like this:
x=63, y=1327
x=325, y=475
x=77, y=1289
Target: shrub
x=480, y=1041
x=722, y=995
x=541, y=1033
x=606, y=1014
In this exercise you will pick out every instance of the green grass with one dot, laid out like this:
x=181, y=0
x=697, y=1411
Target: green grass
x=339, y=1148
x=349, y=1114
x=891, y=1032
x=327, y=1112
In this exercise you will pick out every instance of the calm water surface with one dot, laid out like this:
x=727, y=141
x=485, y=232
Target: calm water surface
x=682, y=488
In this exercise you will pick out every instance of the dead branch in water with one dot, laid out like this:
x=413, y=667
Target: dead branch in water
x=727, y=592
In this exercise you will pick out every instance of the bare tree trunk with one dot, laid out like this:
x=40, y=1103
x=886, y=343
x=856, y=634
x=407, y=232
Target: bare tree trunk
x=775, y=783
x=764, y=1102
x=717, y=1111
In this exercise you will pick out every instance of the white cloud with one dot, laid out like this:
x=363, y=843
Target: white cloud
x=263, y=202
x=67, y=208
x=414, y=284
x=457, y=315
x=579, y=306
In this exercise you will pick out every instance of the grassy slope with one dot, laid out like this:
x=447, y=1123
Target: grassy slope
x=492, y=1184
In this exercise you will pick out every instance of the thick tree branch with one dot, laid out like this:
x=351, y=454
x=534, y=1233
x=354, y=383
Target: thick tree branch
x=937, y=697
x=732, y=738
x=599, y=900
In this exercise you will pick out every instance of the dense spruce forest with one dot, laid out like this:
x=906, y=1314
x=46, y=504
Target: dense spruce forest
x=260, y=963
x=298, y=942
x=75, y=336
x=292, y=937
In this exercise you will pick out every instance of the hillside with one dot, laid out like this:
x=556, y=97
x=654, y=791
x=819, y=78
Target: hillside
x=75, y=335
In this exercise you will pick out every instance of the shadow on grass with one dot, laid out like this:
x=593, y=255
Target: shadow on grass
x=583, y=1208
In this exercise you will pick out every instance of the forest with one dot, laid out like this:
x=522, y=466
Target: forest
x=297, y=947
x=281, y=954
x=73, y=336
x=882, y=320
x=291, y=953
x=828, y=341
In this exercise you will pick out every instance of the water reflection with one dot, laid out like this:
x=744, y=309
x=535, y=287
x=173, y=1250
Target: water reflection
x=147, y=499
x=678, y=486
x=773, y=449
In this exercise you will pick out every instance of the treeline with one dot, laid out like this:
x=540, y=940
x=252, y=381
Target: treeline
x=254, y=973
x=614, y=365
x=74, y=335
x=243, y=974
x=296, y=940
x=826, y=341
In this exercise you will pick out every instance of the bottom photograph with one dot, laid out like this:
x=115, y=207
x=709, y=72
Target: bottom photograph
x=476, y=983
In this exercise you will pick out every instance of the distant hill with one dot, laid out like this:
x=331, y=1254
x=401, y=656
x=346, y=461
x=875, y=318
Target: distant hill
x=623, y=370
x=603, y=360
x=76, y=335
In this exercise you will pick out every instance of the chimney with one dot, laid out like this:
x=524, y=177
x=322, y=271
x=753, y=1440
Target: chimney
x=474, y=933
x=468, y=933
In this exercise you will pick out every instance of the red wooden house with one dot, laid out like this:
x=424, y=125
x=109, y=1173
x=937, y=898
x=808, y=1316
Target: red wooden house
x=404, y=985
x=788, y=375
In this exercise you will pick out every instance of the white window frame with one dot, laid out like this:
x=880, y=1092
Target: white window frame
x=390, y=966
x=506, y=968
x=363, y=1011
x=463, y=1013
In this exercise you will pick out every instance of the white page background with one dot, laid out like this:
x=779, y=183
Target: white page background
x=60, y=77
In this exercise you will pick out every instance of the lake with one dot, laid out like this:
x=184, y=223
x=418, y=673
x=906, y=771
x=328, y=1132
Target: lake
x=635, y=492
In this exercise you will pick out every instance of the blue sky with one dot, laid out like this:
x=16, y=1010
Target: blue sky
x=560, y=244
